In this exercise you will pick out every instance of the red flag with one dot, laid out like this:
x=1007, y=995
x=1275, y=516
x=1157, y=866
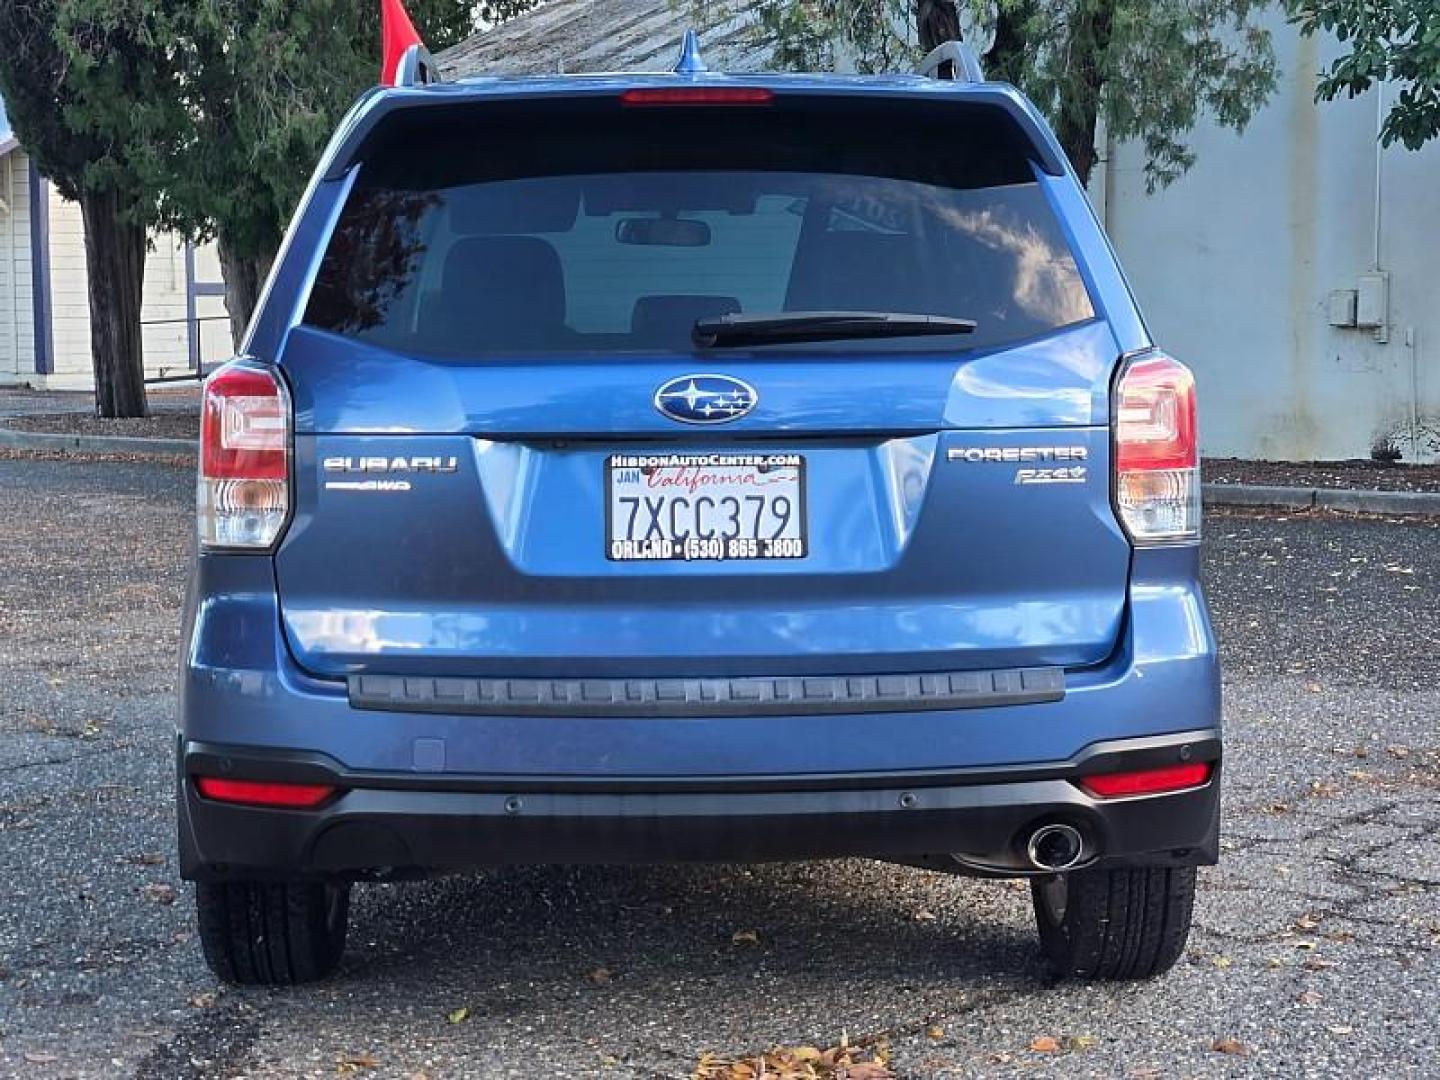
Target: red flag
x=397, y=33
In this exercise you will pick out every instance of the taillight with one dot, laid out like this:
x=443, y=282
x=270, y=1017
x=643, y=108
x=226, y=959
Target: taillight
x=243, y=498
x=263, y=793
x=1159, y=781
x=1157, y=457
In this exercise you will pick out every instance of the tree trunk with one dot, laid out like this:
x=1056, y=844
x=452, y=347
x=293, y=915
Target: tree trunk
x=115, y=261
x=244, y=278
x=937, y=22
x=1080, y=96
x=1008, y=53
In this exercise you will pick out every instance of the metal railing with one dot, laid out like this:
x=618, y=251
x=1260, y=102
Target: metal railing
x=197, y=368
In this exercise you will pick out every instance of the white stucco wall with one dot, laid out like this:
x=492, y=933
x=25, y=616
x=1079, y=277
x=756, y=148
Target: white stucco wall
x=1234, y=263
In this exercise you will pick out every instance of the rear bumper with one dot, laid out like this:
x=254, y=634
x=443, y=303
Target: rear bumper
x=388, y=824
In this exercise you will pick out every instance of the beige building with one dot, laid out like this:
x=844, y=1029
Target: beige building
x=44, y=305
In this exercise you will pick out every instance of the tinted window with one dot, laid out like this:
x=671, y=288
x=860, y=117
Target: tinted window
x=457, y=260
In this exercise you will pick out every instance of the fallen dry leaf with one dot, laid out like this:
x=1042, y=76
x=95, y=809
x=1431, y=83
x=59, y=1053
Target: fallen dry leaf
x=600, y=976
x=934, y=1031
x=1230, y=1046
x=1045, y=1044
x=1309, y=997
x=40, y=1057
x=159, y=892
x=349, y=1063
x=1307, y=922
x=924, y=916
x=1340, y=1029
x=458, y=1016
x=745, y=937
x=842, y=1062
x=202, y=1000
x=1081, y=1042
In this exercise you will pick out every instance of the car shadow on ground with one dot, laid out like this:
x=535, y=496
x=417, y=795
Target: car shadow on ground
x=632, y=971
x=609, y=925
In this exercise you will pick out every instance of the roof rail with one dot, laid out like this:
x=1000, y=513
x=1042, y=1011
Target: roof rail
x=417, y=68
x=952, y=60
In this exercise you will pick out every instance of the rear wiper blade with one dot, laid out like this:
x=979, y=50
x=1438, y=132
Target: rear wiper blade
x=723, y=331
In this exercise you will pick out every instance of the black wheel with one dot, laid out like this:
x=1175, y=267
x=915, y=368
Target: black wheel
x=1114, y=924
x=275, y=934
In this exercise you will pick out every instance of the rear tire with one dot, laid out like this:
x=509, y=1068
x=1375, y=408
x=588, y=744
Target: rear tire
x=1114, y=924
x=272, y=934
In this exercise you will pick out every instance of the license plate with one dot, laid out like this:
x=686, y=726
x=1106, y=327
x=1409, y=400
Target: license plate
x=704, y=507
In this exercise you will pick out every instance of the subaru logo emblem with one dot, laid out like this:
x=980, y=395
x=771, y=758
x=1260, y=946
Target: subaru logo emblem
x=705, y=399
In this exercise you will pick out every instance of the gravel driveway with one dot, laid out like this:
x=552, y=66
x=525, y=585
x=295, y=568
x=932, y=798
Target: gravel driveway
x=1317, y=948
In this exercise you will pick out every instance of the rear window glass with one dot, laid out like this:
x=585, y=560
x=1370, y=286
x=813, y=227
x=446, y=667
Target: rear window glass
x=614, y=243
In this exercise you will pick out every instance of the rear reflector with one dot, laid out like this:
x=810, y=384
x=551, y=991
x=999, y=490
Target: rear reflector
x=243, y=496
x=698, y=95
x=1147, y=781
x=263, y=793
x=1157, y=455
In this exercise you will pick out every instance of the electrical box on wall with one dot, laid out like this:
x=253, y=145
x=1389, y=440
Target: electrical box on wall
x=1372, y=303
x=1340, y=307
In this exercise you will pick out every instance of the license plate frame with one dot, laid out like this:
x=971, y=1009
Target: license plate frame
x=762, y=537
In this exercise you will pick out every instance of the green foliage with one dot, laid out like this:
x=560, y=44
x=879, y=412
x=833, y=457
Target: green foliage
x=1390, y=39
x=63, y=64
x=821, y=36
x=491, y=12
x=258, y=88
x=1149, y=68
x=207, y=115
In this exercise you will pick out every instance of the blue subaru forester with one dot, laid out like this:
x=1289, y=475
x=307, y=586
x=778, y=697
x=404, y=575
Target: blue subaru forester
x=689, y=467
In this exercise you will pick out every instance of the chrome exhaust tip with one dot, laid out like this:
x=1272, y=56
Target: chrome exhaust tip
x=1055, y=847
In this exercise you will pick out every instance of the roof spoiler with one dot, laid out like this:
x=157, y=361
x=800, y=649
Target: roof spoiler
x=952, y=60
